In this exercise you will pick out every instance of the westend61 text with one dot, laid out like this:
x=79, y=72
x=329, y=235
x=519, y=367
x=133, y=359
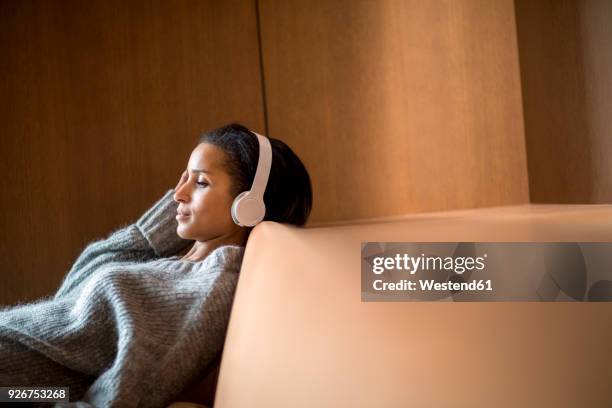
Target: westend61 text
x=429, y=284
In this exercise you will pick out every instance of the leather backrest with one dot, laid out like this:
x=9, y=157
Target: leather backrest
x=299, y=335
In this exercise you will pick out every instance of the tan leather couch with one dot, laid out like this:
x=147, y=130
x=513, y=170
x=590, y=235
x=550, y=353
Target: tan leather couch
x=299, y=335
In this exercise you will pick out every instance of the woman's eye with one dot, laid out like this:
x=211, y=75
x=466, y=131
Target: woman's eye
x=201, y=183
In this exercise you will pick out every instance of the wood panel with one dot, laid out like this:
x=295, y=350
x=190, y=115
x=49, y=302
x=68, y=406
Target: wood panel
x=102, y=102
x=397, y=106
x=566, y=80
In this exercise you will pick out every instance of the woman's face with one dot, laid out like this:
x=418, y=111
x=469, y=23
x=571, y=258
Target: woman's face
x=204, y=196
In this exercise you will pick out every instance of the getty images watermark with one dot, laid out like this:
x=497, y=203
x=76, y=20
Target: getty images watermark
x=472, y=271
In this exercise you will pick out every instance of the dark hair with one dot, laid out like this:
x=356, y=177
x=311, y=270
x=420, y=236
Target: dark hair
x=288, y=195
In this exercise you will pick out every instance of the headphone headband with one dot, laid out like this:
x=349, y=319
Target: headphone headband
x=263, y=166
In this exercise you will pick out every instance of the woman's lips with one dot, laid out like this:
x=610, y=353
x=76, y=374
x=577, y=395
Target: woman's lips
x=181, y=216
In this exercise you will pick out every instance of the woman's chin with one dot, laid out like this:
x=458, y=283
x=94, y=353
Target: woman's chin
x=182, y=233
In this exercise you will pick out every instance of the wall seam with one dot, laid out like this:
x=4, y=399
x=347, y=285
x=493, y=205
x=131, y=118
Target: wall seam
x=261, y=68
x=521, y=76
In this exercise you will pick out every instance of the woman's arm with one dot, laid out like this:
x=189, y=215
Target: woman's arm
x=152, y=236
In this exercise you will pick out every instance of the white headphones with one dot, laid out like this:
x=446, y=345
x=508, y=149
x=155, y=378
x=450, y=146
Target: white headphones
x=248, y=208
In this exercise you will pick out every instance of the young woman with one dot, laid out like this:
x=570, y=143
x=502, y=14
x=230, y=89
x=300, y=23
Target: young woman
x=143, y=312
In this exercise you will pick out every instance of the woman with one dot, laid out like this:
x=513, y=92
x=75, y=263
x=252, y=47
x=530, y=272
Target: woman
x=143, y=312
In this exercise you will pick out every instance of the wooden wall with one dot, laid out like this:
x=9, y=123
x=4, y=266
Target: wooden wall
x=101, y=104
x=566, y=68
x=394, y=106
x=398, y=106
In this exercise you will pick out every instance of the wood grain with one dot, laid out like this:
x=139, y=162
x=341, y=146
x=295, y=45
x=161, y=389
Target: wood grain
x=102, y=103
x=397, y=106
x=565, y=59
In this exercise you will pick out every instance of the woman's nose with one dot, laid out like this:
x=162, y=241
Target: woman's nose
x=181, y=192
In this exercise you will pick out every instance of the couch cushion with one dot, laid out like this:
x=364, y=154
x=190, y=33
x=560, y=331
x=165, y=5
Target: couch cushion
x=300, y=336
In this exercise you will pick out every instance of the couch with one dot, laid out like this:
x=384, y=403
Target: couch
x=300, y=336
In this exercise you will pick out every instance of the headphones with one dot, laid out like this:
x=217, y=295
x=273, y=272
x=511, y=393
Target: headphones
x=248, y=208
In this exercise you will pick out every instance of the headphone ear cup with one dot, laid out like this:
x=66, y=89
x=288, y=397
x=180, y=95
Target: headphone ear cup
x=248, y=210
x=235, y=207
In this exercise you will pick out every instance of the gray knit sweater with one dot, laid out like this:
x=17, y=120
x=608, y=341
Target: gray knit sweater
x=131, y=325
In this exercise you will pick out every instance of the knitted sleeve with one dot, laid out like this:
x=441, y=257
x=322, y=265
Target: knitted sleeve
x=153, y=235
